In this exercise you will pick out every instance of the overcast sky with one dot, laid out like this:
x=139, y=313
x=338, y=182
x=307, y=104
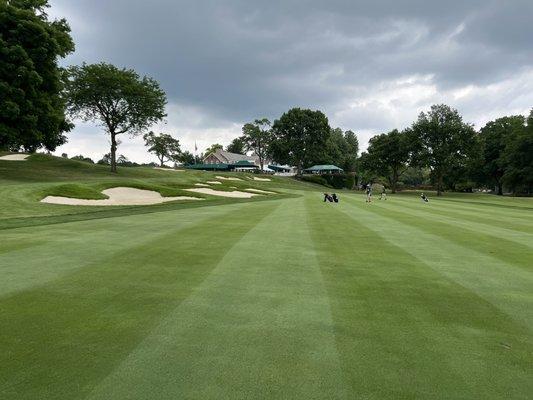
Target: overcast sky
x=371, y=66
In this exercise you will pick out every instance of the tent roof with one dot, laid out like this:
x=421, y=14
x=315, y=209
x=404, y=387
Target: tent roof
x=327, y=167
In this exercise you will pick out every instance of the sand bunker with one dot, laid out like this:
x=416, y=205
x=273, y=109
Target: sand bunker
x=15, y=157
x=262, y=179
x=235, y=194
x=229, y=178
x=260, y=191
x=169, y=169
x=119, y=196
x=201, y=184
x=214, y=183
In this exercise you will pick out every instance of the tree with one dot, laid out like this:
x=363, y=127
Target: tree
x=518, y=156
x=187, y=158
x=236, y=146
x=257, y=137
x=441, y=141
x=495, y=136
x=342, y=149
x=82, y=158
x=117, y=98
x=164, y=146
x=300, y=138
x=32, y=108
x=388, y=155
x=105, y=160
x=350, y=153
x=213, y=148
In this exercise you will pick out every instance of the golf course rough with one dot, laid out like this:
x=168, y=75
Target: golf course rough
x=269, y=297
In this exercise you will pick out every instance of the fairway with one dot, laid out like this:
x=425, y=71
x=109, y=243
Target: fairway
x=290, y=298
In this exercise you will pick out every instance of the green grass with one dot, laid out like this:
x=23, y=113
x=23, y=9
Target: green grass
x=284, y=298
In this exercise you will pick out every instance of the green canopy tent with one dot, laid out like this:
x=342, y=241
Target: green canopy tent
x=324, y=170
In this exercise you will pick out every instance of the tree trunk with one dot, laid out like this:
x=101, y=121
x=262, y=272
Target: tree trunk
x=113, y=152
x=161, y=160
x=439, y=184
x=394, y=181
x=500, y=189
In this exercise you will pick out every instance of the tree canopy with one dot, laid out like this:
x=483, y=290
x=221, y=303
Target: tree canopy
x=442, y=141
x=32, y=108
x=257, y=137
x=388, y=155
x=236, y=146
x=300, y=138
x=120, y=100
x=164, y=146
x=518, y=159
x=213, y=148
x=495, y=136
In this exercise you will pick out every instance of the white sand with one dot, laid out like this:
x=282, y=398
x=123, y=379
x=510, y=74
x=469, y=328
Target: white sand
x=201, y=184
x=169, y=169
x=262, y=179
x=235, y=194
x=119, y=196
x=15, y=157
x=229, y=178
x=260, y=191
x=214, y=183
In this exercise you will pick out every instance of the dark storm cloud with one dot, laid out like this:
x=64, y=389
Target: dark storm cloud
x=237, y=60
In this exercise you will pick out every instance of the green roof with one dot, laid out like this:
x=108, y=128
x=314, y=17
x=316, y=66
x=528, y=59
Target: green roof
x=244, y=163
x=324, y=168
x=208, y=166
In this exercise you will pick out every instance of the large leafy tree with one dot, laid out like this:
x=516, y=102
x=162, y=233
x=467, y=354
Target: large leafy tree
x=213, y=148
x=119, y=99
x=388, y=155
x=257, y=137
x=442, y=141
x=187, y=158
x=32, y=109
x=164, y=146
x=300, y=138
x=495, y=136
x=236, y=146
x=351, y=150
x=341, y=150
x=518, y=156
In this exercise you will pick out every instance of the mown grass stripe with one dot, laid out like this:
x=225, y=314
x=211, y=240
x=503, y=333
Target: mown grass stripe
x=43, y=254
x=505, y=285
x=486, y=241
x=514, y=227
x=405, y=330
x=66, y=335
x=259, y=327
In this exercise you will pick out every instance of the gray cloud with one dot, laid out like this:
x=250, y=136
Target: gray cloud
x=368, y=65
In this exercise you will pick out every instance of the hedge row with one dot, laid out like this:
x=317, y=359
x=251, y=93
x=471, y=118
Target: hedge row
x=338, y=181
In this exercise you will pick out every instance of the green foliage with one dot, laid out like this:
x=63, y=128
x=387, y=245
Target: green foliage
x=300, y=138
x=117, y=98
x=82, y=158
x=336, y=181
x=187, y=158
x=317, y=179
x=341, y=150
x=495, y=136
x=236, y=146
x=257, y=137
x=164, y=146
x=213, y=148
x=32, y=108
x=388, y=155
x=518, y=158
x=442, y=141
